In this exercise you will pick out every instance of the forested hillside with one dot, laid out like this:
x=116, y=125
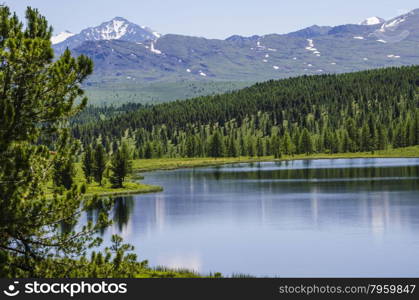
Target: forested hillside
x=363, y=111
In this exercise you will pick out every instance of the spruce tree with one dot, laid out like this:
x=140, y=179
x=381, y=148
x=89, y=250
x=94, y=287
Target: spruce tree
x=216, y=147
x=287, y=144
x=148, y=151
x=365, y=138
x=232, y=148
x=306, y=144
x=87, y=163
x=64, y=173
x=121, y=166
x=99, y=163
x=260, y=147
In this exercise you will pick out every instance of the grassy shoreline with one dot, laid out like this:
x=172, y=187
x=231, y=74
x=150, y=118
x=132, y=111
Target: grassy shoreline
x=132, y=186
x=148, y=165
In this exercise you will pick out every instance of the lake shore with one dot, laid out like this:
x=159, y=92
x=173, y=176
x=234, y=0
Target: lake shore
x=132, y=186
x=155, y=164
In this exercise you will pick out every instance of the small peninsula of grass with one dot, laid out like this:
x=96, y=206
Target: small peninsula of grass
x=131, y=186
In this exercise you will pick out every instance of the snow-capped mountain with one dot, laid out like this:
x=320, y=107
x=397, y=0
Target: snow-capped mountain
x=129, y=53
x=372, y=21
x=61, y=37
x=116, y=29
x=119, y=29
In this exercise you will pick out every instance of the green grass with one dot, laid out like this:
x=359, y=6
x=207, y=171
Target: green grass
x=145, y=165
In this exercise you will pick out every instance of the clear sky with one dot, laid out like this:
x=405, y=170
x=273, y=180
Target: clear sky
x=213, y=18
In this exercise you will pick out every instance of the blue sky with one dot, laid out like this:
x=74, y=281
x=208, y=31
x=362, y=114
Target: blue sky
x=213, y=18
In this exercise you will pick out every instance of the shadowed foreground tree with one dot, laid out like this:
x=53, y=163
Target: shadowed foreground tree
x=37, y=96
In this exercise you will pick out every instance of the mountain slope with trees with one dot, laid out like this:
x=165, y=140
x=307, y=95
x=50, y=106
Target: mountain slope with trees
x=363, y=111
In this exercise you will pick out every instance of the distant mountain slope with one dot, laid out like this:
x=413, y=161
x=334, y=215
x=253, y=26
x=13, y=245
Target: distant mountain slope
x=128, y=54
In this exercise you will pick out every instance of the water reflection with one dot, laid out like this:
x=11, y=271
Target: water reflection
x=304, y=218
x=123, y=208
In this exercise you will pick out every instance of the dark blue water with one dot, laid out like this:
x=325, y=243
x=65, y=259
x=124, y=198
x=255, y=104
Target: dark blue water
x=344, y=217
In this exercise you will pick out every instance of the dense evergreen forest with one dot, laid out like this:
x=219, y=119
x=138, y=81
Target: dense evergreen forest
x=363, y=111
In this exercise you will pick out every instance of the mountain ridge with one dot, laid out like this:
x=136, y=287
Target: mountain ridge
x=315, y=50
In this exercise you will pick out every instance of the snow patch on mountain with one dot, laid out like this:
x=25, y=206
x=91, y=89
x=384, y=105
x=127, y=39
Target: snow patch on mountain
x=311, y=47
x=372, y=21
x=154, y=50
x=114, y=30
x=61, y=37
x=393, y=24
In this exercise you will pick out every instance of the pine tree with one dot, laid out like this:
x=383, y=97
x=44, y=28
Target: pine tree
x=99, y=163
x=306, y=144
x=286, y=144
x=232, y=148
x=37, y=97
x=251, y=146
x=411, y=133
x=382, y=139
x=148, y=152
x=64, y=173
x=216, y=147
x=121, y=166
x=365, y=138
x=190, y=147
x=87, y=163
x=275, y=147
x=346, y=142
x=260, y=147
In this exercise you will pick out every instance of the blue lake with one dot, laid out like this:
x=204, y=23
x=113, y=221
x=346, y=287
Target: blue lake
x=342, y=217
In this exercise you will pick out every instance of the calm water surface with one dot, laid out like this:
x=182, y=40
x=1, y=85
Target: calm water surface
x=343, y=217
